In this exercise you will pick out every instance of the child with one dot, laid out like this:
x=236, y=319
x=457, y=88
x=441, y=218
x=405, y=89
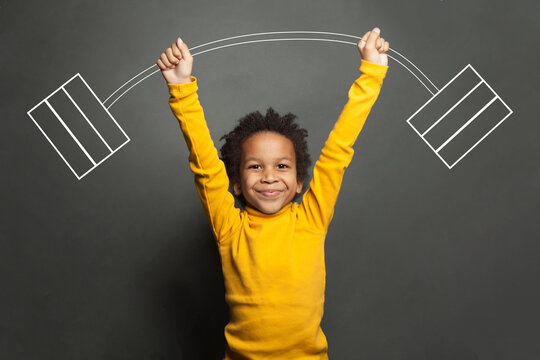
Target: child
x=272, y=251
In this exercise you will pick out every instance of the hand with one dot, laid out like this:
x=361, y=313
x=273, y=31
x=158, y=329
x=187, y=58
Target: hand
x=373, y=48
x=176, y=63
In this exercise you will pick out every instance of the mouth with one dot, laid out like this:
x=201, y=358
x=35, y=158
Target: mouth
x=269, y=193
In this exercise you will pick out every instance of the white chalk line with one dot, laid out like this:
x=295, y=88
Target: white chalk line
x=132, y=86
x=466, y=124
x=127, y=82
x=311, y=32
x=230, y=38
x=452, y=108
x=482, y=81
x=420, y=71
x=86, y=118
x=70, y=132
x=417, y=78
x=266, y=40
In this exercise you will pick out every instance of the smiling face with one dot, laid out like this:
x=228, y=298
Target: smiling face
x=267, y=172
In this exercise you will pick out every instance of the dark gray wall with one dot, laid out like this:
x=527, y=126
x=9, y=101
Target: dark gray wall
x=423, y=262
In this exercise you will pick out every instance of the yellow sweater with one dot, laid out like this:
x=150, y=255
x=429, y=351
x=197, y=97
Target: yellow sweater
x=273, y=265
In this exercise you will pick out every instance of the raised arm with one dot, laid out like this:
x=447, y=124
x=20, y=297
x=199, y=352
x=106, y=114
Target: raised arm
x=318, y=202
x=211, y=178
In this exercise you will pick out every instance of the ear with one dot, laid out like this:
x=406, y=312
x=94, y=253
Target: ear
x=299, y=186
x=237, y=188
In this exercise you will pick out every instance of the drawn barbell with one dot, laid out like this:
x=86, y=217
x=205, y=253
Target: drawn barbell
x=452, y=122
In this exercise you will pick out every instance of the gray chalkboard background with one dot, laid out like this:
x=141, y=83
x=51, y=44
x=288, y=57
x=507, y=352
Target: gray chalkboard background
x=423, y=262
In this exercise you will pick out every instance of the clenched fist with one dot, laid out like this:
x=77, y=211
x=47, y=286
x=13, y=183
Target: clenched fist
x=373, y=48
x=176, y=63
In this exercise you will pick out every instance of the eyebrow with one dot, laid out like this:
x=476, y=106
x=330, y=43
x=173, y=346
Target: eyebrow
x=257, y=159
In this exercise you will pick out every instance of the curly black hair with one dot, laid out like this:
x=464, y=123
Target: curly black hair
x=255, y=122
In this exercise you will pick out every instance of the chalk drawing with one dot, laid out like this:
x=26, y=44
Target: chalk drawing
x=342, y=39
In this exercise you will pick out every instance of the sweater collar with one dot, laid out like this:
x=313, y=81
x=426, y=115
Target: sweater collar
x=256, y=213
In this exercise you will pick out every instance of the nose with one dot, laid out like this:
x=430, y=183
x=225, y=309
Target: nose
x=268, y=176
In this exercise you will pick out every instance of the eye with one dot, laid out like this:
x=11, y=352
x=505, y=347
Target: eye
x=283, y=166
x=254, y=166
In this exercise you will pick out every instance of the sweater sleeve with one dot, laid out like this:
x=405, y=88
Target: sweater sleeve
x=318, y=202
x=211, y=178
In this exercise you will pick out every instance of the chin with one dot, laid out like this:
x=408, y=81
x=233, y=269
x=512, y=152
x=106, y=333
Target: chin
x=270, y=211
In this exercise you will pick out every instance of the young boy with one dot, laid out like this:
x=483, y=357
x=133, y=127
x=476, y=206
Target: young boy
x=272, y=252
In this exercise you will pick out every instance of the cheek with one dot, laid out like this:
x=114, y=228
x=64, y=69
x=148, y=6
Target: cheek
x=292, y=181
x=248, y=180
